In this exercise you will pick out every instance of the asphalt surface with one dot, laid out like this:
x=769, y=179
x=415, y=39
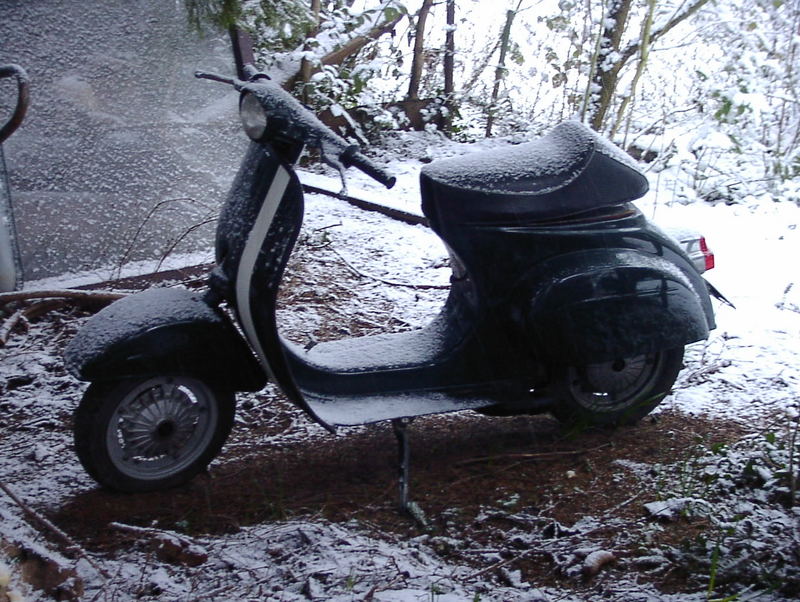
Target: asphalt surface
x=122, y=151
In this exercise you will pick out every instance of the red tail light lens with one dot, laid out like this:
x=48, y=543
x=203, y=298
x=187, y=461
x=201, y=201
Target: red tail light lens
x=708, y=256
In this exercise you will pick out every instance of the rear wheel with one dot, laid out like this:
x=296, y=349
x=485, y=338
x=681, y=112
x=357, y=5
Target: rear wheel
x=147, y=434
x=620, y=391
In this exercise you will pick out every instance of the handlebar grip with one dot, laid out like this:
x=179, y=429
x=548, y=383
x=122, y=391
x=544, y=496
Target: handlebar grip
x=354, y=158
x=23, y=99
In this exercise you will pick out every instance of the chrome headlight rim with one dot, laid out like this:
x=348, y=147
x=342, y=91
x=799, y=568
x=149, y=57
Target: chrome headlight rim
x=253, y=116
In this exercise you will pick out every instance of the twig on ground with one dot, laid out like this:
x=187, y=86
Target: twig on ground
x=499, y=565
x=150, y=532
x=40, y=308
x=625, y=503
x=17, y=318
x=66, y=293
x=48, y=301
x=577, y=452
x=71, y=544
x=169, y=546
x=23, y=317
x=361, y=274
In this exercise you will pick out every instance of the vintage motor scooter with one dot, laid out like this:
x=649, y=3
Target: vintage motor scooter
x=563, y=299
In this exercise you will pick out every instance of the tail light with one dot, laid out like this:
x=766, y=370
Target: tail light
x=708, y=256
x=696, y=247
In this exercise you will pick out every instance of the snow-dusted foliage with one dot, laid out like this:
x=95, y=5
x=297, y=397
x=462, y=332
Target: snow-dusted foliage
x=292, y=37
x=705, y=90
x=747, y=492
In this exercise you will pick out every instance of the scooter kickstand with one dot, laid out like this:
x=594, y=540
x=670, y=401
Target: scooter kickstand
x=400, y=426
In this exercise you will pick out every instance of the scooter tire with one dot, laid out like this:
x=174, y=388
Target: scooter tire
x=615, y=393
x=149, y=434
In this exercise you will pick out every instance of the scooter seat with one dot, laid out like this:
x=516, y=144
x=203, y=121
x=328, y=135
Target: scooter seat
x=569, y=171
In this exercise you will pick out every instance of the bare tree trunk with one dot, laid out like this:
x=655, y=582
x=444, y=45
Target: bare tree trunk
x=450, y=49
x=418, y=59
x=606, y=73
x=500, y=71
x=644, y=52
x=449, y=64
x=587, y=96
x=306, y=67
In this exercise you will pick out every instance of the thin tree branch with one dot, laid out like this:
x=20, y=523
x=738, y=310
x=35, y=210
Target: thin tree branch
x=67, y=293
x=361, y=274
x=71, y=544
x=676, y=20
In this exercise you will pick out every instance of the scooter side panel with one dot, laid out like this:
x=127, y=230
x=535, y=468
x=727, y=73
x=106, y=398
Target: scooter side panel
x=162, y=331
x=611, y=305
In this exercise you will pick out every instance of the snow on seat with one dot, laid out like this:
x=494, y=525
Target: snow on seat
x=568, y=171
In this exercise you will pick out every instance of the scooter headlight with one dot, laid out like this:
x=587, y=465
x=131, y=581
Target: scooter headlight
x=253, y=116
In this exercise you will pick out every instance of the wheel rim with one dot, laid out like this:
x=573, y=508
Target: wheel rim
x=161, y=426
x=615, y=385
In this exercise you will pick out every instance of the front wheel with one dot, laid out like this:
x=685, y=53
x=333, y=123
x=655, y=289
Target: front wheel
x=620, y=391
x=138, y=435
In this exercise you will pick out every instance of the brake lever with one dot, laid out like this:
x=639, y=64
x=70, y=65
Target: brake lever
x=331, y=157
x=236, y=83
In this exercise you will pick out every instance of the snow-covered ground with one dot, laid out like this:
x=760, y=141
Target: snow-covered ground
x=748, y=371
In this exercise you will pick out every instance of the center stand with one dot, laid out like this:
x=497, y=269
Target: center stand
x=400, y=426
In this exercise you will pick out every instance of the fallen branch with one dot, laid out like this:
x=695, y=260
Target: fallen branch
x=42, y=307
x=501, y=564
x=23, y=316
x=18, y=317
x=577, y=452
x=66, y=293
x=71, y=544
x=361, y=274
x=49, y=300
x=168, y=545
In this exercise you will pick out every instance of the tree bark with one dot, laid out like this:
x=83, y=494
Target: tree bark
x=306, y=67
x=449, y=65
x=338, y=56
x=450, y=50
x=606, y=73
x=607, y=70
x=500, y=71
x=644, y=53
x=357, y=43
x=418, y=59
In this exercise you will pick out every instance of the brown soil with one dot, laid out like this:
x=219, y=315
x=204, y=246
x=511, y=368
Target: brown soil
x=462, y=465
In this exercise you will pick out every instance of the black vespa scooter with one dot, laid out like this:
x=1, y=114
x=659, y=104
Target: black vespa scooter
x=563, y=299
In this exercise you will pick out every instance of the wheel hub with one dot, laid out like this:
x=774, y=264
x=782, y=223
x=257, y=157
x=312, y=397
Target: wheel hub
x=158, y=423
x=610, y=386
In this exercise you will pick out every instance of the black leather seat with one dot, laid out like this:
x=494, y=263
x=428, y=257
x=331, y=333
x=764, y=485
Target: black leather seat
x=569, y=171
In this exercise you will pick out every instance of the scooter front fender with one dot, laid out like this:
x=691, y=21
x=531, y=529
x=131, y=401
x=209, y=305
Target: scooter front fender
x=616, y=304
x=163, y=331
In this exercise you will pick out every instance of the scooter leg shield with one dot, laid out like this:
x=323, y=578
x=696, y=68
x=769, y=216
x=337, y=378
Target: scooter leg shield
x=163, y=331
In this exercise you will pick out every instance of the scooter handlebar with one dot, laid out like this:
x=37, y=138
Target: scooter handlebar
x=299, y=119
x=23, y=99
x=353, y=157
x=278, y=101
